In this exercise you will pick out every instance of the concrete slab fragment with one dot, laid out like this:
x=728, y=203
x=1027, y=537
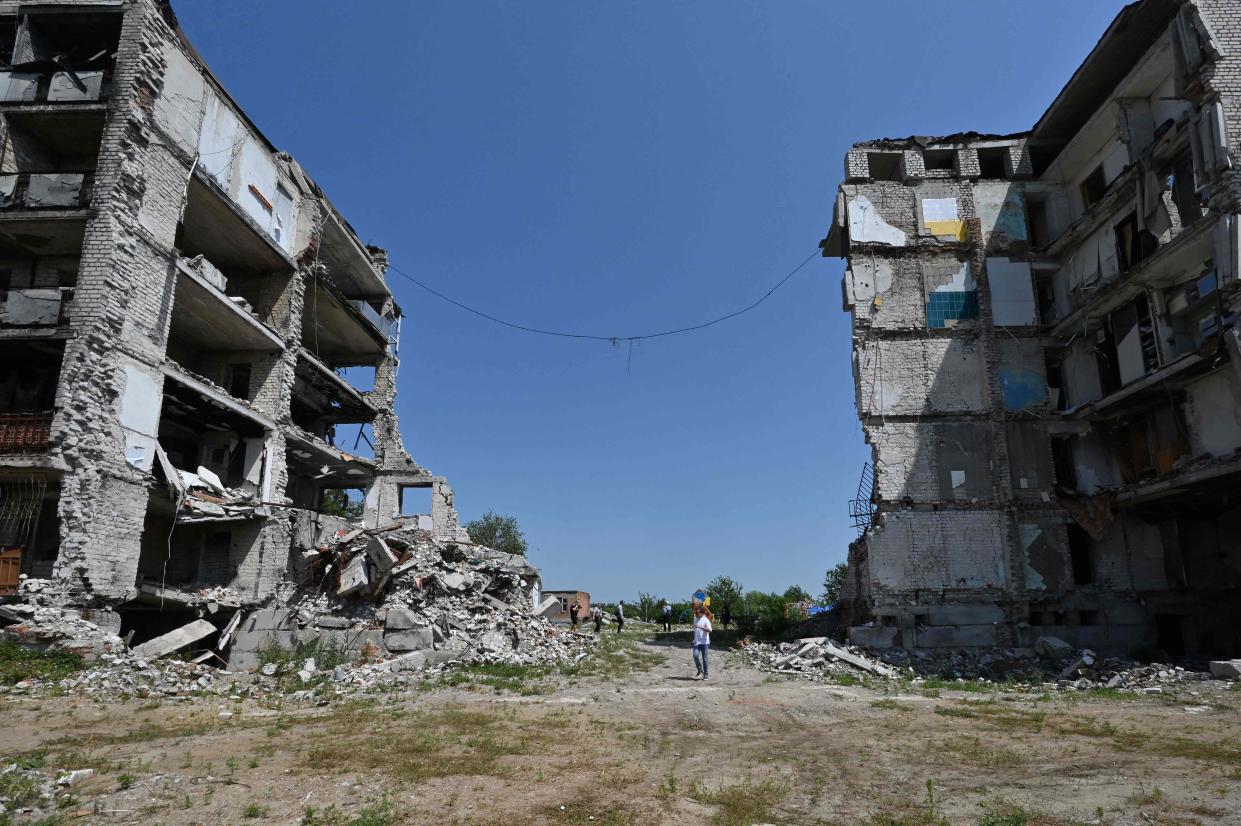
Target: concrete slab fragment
x=173, y=641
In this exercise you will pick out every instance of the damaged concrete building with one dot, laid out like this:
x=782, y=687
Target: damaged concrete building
x=1047, y=359
x=184, y=316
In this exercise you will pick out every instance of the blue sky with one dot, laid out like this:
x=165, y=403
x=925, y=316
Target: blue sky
x=616, y=169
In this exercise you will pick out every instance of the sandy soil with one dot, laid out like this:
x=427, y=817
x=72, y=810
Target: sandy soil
x=648, y=747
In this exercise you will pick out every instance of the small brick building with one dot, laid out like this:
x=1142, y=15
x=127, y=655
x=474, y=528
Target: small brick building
x=567, y=598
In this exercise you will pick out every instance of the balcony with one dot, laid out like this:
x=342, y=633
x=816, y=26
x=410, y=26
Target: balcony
x=45, y=190
x=338, y=330
x=35, y=307
x=25, y=432
x=29, y=88
x=207, y=318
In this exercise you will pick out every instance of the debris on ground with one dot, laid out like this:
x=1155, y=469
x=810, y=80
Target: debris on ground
x=1061, y=665
x=371, y=608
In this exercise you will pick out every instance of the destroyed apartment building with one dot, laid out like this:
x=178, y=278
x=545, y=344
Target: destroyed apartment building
x=1046, y=357
x=184, y=316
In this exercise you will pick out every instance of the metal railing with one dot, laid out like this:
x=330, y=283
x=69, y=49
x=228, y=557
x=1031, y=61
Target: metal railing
x=862, y=508
x=25, y=432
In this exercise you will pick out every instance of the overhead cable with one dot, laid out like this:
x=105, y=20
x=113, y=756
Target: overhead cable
x=615, y=338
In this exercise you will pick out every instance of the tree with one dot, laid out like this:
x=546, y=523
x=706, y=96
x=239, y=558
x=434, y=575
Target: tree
x=723, y=591
x=647, y=605
x=498, y=532
x=796, y=593
x=336, y=502
x=834, y=583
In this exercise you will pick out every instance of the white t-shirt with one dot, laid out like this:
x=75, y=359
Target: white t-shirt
x=702, y=631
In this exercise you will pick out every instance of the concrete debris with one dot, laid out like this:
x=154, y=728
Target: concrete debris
x=823, y=660
x=1226, y=669
x=1052, y=647
x=349, y=625
x=174, y=641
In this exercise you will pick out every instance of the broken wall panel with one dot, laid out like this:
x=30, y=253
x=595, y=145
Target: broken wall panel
x=897, y=377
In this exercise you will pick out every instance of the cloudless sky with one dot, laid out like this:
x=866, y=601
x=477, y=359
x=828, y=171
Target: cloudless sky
x=616, y=169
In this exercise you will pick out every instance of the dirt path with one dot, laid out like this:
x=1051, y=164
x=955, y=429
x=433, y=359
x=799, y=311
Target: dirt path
x=615, y=744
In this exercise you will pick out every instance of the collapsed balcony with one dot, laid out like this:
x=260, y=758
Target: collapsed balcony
x=322, y=399
x=213, y=453
x=314, y=468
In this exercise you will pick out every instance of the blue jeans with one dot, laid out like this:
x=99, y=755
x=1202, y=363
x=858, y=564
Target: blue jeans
x=700, y=657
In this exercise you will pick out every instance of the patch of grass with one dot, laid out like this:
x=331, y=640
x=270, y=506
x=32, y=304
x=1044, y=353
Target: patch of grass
x=742, y=804
x=21, y=789
x=617, y=656
x=18, y=663
x=451, y=741
x=372, y=814
x=1000, y=717
x=254, y=811
x=973, y=750
x=526, y=680
x=1149, y=798
x=1192, y=749
x=587, y=809
x=887, y=703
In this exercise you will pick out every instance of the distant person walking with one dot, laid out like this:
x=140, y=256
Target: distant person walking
x=702, y=639
x=620, y=616
x=597, y=613
x=726, y=616
x=575, y=611
x=667, y=612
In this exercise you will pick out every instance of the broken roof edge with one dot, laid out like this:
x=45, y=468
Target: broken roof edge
x=317, y=191
x=1120, y=38
x=923, y=141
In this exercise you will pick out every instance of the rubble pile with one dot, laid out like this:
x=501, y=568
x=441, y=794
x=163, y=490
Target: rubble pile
x=1050, y=661
x=417, y=595
x=373, y=606
x=815, y=657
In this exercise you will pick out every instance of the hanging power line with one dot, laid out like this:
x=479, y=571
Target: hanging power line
x=563, y=334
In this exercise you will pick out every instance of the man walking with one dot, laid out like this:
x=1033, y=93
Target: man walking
x=575, y=610
x=667, y=612
x=597, y=613
x=620, y=616
x=702, y=639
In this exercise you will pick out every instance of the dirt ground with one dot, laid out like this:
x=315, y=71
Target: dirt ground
x=639, y=742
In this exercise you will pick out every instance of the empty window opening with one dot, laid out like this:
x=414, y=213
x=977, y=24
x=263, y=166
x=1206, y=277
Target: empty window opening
x=1087, y=617
x=415, y=501
x=991, y=162
x=239, y=380
x=1062, y=461
x=347, y=503
x=940, y=159
x=1037, y=228
x=1052, y=364
x=1093, y=187
x=1184, y=191
x=884, y=166
x=1036, y=617
x=1080, y=556
x=361, y=377
x=1132, y=244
